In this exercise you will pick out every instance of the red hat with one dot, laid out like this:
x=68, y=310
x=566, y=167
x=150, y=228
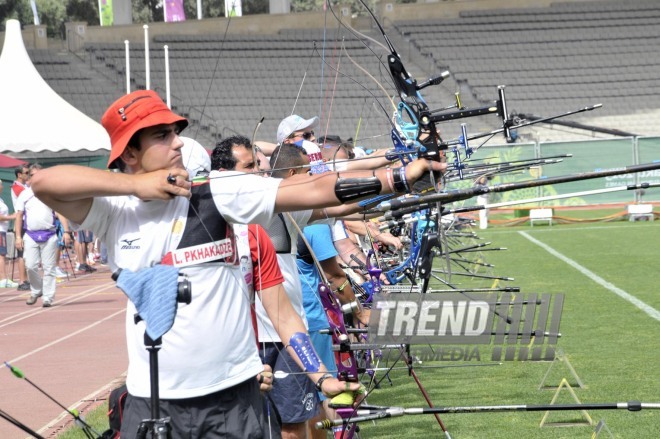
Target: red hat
x=132, y=112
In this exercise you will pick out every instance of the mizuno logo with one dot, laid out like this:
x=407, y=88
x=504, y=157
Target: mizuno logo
x=129, y=244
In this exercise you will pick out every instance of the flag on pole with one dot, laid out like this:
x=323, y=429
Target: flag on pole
x=233, y=8
x=173, y=10
x=106, y=15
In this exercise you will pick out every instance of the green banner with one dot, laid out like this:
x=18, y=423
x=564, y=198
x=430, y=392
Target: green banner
x=590, y=156
x=504, y=155
x=105, y=12
x=586, y=156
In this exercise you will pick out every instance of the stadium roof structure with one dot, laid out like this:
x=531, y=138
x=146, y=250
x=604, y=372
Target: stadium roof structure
x=35, y=119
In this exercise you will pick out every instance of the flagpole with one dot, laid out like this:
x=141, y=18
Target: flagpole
x=147, y=67
x=35, y=14
x=167, y=75
x=128, y=67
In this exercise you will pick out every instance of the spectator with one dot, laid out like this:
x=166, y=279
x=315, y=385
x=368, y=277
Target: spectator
x=22, y=176
x=67, y=253
x=84, y=239
x=39, y=242
x=61, y=274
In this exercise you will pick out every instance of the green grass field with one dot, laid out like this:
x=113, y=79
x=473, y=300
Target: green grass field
x=613, y=345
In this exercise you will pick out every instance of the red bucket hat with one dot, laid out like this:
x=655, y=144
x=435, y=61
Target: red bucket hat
x=132, y=112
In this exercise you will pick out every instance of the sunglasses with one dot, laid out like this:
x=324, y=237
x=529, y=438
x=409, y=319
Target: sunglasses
x=306, y=135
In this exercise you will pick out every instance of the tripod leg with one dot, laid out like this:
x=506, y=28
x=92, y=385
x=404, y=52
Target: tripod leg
x=68, y=258
x=63, y=251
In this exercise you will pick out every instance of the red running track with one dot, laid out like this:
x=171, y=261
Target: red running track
x=75, y=351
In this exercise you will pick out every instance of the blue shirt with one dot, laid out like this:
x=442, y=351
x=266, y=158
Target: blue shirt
x=319, y=237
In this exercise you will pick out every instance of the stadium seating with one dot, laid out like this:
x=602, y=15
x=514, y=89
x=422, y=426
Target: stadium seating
x=72, y=79
x=237, y=80
x=552, y=59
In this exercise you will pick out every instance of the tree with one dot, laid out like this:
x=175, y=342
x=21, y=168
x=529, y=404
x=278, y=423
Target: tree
x=16, y=9
x=147, y=11
x=52, y=14
x=83, y=10
x=306, y=5
x=251, y=7
x=210, y=9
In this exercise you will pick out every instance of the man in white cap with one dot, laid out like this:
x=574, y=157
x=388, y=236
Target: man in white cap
x=297, y=131
x=294, y=128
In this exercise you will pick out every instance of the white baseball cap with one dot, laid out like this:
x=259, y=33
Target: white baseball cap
x=294, y=123
x=195, y=157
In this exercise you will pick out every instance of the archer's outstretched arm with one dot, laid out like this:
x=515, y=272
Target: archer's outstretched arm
x=374, y=161
x=301, y=192
x=70, y=189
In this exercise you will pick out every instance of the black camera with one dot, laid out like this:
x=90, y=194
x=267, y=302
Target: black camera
x=184, y=290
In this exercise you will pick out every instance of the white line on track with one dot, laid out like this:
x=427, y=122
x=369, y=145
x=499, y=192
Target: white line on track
x=654, y=313
x=570, y=229
x=66, y=337
x=74, y=298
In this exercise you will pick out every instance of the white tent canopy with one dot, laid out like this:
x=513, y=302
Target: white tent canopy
x=33, y=117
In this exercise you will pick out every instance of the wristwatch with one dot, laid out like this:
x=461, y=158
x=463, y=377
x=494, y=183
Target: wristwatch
x=319, y=383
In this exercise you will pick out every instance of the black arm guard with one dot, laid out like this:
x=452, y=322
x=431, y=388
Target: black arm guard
x=348, y=190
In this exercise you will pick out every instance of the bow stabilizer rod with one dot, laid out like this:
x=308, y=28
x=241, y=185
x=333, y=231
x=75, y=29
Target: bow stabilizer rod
x=371, y=414
x=464, y=194
x=630, y=187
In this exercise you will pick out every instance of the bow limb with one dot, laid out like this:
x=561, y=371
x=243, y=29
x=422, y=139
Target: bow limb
x=331, y=99
x=347, y=370
x=413, y=106
x=400, y=150
x=370, y=76
x=213, y=75
x=418, y=133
